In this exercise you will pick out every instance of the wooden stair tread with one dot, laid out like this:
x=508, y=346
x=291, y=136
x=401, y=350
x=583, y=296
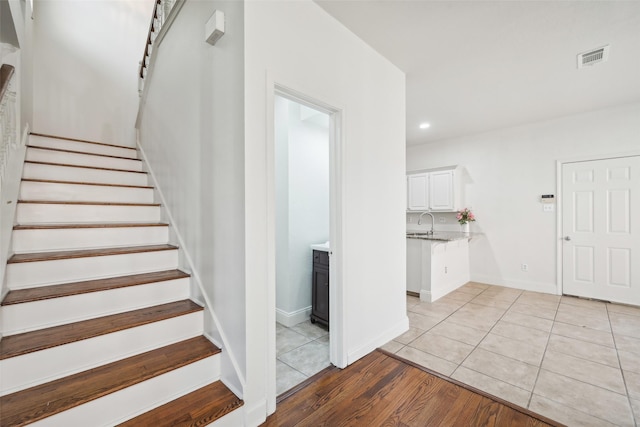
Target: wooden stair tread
x=89, y=225
x=48, y=399
x=20, y=296
x=28, y=342
x=197, y=408
x=82, y=166
x=82, y=152
x=85, y=253
x=69, y=202
x=101, y=184
x=82, y=140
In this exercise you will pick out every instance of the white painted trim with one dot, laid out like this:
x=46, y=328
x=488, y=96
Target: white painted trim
x=337, y=296
x=292, y=318
x=152, y=57
x=549, y=288
x=559, y=232
x=255, y=415
x=382, y=338
x=194, y=272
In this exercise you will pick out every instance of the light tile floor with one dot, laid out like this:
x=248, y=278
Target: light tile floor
x=573, y=360
x=301, y=351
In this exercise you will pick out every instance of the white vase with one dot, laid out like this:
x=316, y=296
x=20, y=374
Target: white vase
x=464, y=227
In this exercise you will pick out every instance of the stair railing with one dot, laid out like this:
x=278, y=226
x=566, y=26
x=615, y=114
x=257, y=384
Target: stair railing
x=160, y=16
x=8, y=116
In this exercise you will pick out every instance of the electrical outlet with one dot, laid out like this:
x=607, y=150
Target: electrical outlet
x=409, y=219
x=442, y=219
x=524, y=267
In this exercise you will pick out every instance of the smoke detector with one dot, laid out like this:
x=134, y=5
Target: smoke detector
x=593, y=57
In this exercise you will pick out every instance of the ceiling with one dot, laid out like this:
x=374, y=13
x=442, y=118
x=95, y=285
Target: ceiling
x=475, y=66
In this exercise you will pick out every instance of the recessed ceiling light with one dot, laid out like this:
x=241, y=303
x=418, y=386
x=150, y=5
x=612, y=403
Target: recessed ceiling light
x=424, y=125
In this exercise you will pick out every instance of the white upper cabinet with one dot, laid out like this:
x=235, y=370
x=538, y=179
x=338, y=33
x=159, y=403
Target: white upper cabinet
x=418, y=191
x=441, y=191
x=436, y=190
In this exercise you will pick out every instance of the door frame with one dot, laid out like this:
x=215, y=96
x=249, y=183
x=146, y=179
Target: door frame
x=559, y=222
x=337, y=335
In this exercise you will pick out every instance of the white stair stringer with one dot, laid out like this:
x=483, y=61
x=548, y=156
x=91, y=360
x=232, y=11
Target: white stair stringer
x=34, y=315
x=29, y=212
x=81, y=146
x=63, y=192
x=129, y=402
x=87, y=237
x=60, y=172
x=41, y=273
x=48, y=155
x=39, y=367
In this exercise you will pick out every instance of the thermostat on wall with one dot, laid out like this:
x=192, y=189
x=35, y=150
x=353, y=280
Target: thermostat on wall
x=548, y=198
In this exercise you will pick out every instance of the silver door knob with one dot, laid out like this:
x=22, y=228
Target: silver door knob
x=567, y=238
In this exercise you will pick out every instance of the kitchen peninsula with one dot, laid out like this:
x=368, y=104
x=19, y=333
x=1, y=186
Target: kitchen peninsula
x=437, y=263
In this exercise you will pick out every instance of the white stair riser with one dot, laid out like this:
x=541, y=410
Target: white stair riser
x=81, y=174
x=38, y=213
x=40, y=273
x=51, y=191
x=39, y=367
x=43, y=240
x=49, y=156
x=85, y=147
x=132, y=401
x=25, y=317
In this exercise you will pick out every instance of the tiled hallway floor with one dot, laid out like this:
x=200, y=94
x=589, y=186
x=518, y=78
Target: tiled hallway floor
x=573, y=360
x=301, y=351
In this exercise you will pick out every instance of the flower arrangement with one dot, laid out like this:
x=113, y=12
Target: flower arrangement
x=464, y=216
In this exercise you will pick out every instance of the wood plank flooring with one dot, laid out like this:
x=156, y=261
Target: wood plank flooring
x=381, y=389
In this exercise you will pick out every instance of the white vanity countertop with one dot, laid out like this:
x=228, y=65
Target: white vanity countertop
x=321, y=246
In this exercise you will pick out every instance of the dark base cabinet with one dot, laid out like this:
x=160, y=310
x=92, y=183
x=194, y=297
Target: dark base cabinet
x=320, y=288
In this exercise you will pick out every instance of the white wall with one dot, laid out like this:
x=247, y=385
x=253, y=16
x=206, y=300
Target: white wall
x=302, y=209
x=86, y=56
x=192, y=133
x=298, y=45
x=506, y=173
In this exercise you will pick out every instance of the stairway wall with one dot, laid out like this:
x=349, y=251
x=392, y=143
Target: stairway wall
x=86, y=56
x=192, y=134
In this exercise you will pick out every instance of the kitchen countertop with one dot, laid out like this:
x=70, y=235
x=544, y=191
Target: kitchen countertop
x=443, y=236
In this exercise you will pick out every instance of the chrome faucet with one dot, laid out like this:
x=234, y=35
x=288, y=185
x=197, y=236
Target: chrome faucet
x=433, y=220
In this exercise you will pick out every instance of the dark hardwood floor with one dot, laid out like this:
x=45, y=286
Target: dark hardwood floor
x=384, y=390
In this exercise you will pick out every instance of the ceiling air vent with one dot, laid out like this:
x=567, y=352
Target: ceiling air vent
x=593, y=57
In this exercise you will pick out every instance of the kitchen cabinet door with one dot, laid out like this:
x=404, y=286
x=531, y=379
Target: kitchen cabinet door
x=418, y=192
x=442, y=191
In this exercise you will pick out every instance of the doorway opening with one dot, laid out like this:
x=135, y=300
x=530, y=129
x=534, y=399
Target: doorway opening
x=302, y=239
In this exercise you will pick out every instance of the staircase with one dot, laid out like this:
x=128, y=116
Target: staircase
x=98, y=328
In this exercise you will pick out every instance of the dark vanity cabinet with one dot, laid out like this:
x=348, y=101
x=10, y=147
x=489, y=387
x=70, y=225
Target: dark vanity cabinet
x=320, y=288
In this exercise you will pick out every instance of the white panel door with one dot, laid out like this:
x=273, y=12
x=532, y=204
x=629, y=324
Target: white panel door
x=601, y=229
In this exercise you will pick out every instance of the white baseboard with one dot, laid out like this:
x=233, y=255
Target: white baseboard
x=547, y=288
x=256, y=414
x=292, y=318
x=387, y=335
